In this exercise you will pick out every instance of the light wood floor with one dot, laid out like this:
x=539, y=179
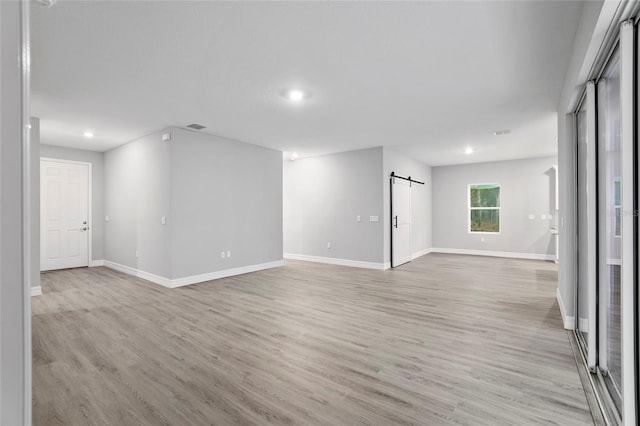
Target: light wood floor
x=443, y=340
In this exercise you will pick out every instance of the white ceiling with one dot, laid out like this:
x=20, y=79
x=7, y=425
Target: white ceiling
x=428, y=79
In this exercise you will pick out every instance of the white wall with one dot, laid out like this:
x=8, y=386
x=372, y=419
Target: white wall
x=421, y=203
x=97, y=190
x=15, y=319
x=323, y=195
x=526, y=187
x=225, y=195
x=35, y=202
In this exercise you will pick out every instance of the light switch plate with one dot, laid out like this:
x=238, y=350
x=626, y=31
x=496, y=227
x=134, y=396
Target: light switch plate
x=374, y=219
x=163, y=220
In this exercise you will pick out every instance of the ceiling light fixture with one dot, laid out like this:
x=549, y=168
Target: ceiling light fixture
x=294, y=156
x=295, y=95
x=468, y=150
x=87, y=134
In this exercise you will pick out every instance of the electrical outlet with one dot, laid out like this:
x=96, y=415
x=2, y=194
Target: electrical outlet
x=222, y=255
x=228, y=253
x=328, y=245
x=482, y=239
x=106, y=219
x=531, y=217
x=358, y=218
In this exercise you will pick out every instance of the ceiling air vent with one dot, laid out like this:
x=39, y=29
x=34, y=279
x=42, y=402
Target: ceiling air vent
x=502, y=132
x=195, y=126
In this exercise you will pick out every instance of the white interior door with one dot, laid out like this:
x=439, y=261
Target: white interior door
x=64, y=215
x=400, y=222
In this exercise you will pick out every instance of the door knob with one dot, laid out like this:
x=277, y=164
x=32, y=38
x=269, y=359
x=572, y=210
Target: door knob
x=84, y=229
x=396, y=219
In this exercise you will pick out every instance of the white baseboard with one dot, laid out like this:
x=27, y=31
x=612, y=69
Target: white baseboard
x=335, y=261
x=514, y=255
x=386, y=265
x=569, y=322
x=165, y=282
x=95, y=263
x=179, y=282
x=36, y=291
x=194, y=279
x=583, y=325
x=421, y=253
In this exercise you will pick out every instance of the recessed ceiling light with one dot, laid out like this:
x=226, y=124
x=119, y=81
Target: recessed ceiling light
x=295, y=95
x=468, y=150
x=87, y=134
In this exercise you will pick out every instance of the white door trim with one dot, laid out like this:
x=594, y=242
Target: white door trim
x=627, y=273
x=89, y=200
x=592, y=210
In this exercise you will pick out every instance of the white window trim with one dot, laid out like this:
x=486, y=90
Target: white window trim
x=469, y=208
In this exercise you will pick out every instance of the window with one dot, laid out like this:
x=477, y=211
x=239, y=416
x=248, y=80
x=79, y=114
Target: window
x=484, y=208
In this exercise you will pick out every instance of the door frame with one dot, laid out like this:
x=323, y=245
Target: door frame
x=89, y=201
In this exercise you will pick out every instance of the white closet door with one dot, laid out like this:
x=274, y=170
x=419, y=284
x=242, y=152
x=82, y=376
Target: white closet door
x=64, y=207
x=400, y=222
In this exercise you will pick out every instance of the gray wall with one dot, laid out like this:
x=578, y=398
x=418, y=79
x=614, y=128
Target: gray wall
x=97, y=190
x=322, y=197
x=420, y=200
x=527, y=187
x=137, y=192
x=225, y=195
x=15, y=315
x=216, y=195
x=35, y=202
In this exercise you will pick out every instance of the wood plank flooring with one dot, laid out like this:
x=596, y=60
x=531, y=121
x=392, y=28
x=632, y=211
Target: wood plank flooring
x=445, y=339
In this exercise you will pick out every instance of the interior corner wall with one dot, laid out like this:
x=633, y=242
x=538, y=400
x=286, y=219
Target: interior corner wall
x=137, y=182
x=527, y=187
x=323, y=196
x=421, y=201
x=225, y=196
x=97, y=190
x=35, y=202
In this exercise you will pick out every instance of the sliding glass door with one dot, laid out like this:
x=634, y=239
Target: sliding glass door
x=610, y=259
x=582, y=242
x=607, y=229
x=586, y=196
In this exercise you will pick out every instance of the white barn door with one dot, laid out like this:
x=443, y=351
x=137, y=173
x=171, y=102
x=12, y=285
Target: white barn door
x=400, y=221
x=64, y=214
